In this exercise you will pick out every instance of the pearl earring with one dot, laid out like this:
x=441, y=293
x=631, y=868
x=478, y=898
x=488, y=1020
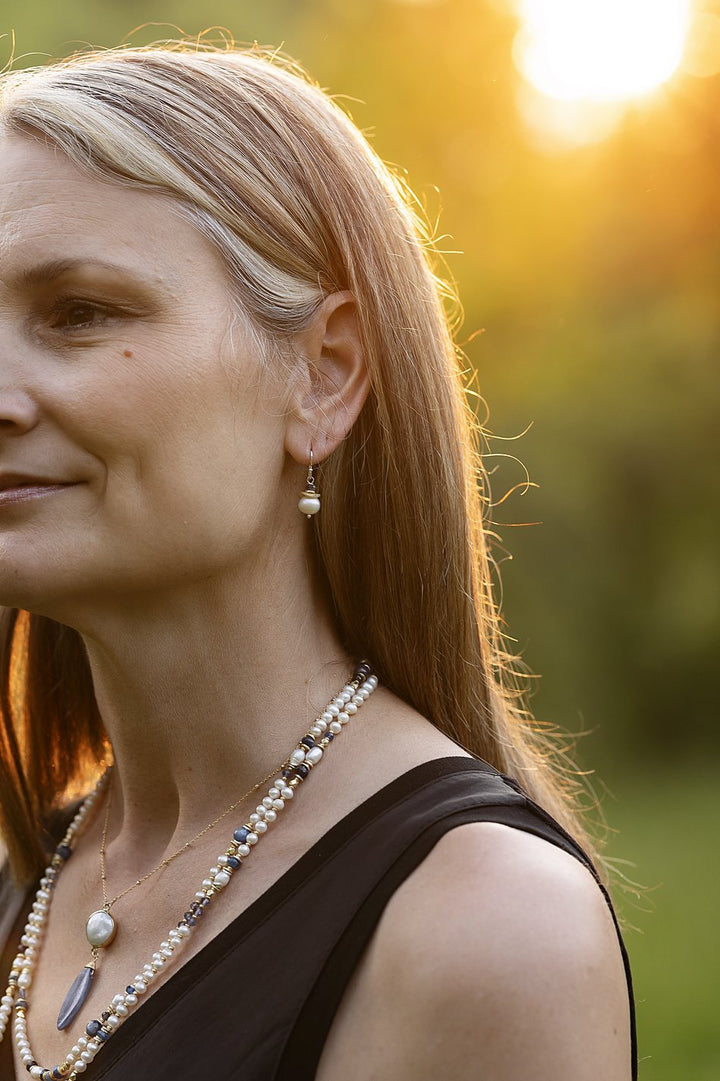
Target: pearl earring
x=309, y=502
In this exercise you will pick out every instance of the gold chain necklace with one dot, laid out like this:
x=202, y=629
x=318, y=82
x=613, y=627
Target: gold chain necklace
x=101, y=927
x=308, y=753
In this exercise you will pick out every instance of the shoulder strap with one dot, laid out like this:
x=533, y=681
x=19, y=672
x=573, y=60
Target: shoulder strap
x=311, y=1028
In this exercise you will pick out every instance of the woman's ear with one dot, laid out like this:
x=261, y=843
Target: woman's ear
x=331, y=383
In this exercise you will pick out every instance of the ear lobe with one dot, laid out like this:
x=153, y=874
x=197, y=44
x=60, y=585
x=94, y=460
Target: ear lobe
x=334, y=385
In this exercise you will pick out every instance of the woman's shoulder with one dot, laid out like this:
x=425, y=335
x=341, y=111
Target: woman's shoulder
x=499, y=946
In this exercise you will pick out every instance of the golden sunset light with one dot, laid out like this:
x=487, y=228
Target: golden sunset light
x=600, y=50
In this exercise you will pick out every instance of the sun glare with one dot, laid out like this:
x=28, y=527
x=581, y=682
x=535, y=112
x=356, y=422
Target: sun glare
x=600, y=50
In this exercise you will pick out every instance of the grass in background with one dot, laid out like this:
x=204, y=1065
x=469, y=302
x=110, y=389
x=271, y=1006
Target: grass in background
x=666, y=821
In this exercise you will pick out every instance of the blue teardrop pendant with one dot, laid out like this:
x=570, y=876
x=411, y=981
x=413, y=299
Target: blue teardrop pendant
x=74, y=999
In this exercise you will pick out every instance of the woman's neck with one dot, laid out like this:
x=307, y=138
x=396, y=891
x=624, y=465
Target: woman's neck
x=202, y=695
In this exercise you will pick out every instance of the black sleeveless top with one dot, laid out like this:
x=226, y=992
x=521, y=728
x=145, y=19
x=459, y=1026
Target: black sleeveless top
x=257, y=1002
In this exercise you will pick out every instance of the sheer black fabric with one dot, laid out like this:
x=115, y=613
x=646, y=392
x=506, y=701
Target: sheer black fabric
x=257, y=1002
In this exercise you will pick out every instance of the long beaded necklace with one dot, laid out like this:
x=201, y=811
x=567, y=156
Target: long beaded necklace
x=297, y=767
x=101, y=926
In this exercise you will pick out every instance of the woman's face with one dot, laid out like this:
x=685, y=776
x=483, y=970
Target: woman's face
x=141, y=440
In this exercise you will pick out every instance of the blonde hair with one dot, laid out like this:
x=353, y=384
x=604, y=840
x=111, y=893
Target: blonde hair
x=274, y=173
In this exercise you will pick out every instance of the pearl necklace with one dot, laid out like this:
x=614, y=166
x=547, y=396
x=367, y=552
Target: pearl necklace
x=101, y=927
x=307, y=754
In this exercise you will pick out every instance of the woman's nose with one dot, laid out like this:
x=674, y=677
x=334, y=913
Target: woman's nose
x=18, y=412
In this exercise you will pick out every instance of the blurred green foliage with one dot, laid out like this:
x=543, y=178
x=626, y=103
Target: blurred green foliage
x=589, y=279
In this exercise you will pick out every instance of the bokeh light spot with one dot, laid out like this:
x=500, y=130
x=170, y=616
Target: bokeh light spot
x=702, y=50
x=600, y=50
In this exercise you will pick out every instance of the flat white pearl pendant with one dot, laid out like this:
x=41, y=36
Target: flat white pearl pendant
x=100, y=931
x=100, y=928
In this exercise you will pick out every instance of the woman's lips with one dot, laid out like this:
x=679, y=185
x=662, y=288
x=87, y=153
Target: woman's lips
x=22, y=490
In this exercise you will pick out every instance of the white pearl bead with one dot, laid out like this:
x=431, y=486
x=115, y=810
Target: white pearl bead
x=314, y=755
x=308, y=504
x=222, y=879
x=278, y=804
x=274, y=792
x=287, y=793
x=321, y=724
x=343, y=717
x=260, y=827
x=243, y=850
x=297, y=757
x=351, y=708
x=335, y=727
x=252, y=838
x=270, y=816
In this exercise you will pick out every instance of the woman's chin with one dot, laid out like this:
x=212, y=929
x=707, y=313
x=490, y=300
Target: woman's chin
x=41, y=594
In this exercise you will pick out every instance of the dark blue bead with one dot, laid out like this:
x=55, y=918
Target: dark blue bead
x=187, y=916
x=102, y=1035
x=105, y=1014
x=64, y=852
x=233, y=862
x=302, y=770
x=190, y=920
x=307, y=741
x=241, y=835
x=362, y=672
x=288, y=773
x=130, y=990
x=329, y=737
x=93, y=1027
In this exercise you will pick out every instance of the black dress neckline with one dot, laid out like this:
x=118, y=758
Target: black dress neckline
x=185, y=978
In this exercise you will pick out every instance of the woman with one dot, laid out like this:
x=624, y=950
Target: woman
x=214, y=299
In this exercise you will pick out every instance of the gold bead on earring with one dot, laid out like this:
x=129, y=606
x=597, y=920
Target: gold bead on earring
x=309, y=502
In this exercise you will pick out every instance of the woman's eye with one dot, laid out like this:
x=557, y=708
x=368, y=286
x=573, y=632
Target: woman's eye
x=77, y=316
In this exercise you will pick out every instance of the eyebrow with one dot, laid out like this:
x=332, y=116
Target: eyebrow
x=55, y=268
